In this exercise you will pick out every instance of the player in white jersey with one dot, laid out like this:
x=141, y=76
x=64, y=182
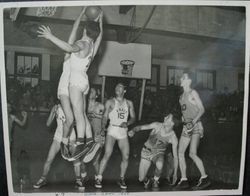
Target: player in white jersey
x=82, y=53
x=154, y=148
x=192, y=110
x=63, y=91
x=55, y=147
x=117, y=110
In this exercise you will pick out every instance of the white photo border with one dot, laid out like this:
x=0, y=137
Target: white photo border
x=245, y=4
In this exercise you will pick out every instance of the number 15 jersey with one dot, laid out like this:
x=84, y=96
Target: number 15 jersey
x=119, y=114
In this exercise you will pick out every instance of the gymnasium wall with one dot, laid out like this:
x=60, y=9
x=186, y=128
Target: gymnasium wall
x=196, y=20
x=29, y=44
x=226, y=76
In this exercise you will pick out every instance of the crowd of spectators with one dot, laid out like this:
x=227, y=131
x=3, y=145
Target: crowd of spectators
x=37, y=98
x=220, y=107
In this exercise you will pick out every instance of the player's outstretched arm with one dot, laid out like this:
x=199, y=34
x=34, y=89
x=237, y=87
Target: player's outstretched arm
x=46, y=33
x=142, y=127
x=99, y=38
x=72, y=37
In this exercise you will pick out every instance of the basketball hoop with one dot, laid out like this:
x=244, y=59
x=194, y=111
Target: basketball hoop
x=46, y=11
x=127, y=67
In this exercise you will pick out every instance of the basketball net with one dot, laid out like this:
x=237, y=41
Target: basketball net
x=46, y=11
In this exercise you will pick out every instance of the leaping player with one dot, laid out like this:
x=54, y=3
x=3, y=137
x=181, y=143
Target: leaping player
x=81, y=53
x=154, y=149
x=117, y=110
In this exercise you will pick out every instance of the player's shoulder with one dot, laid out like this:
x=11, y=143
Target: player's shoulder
x=110, y=101
x=129, y=102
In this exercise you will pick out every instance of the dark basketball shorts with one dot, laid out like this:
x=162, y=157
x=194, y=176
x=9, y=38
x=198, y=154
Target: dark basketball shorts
x=151, y=154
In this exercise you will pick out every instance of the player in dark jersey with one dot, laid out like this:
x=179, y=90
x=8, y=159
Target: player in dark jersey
x=13, y=119
x=192, y=110
x=94, y=112
x=154, y=149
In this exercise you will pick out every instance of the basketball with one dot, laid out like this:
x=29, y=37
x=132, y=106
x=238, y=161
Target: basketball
x=92, y=12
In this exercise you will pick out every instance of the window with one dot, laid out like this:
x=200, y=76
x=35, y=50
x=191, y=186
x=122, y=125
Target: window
x=28, y=68
x=205, y=79
x=174, y=74
x=154, y=84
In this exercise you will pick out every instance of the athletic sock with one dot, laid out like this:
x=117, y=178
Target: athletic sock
x=203, y=177
x=80, y=140
x=43, y=177
x=145, y=179
x=156, y=178
x=90, y=139
x=65, y=140
x=99, y=177
x=78, y=178
x=84, y=174
x=183, y=179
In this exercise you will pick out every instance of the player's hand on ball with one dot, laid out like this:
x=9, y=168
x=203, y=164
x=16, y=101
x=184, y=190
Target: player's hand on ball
x=124, y=125
x=100, y=17
x=44, y=32
x=131, y=133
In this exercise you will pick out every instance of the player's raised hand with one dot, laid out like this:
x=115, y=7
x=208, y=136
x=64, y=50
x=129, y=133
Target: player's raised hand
x=44, y=32
x=100, y=17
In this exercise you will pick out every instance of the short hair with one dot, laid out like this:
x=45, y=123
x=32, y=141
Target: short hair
x=122, y=84
x=175, y=120
x=97, y=91
x=92, y=29
x=190, y=74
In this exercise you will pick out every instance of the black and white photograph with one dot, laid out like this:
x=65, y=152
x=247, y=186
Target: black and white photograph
x=115, y=98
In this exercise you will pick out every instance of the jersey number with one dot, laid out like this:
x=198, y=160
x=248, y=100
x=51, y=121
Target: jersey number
x=121, y=115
